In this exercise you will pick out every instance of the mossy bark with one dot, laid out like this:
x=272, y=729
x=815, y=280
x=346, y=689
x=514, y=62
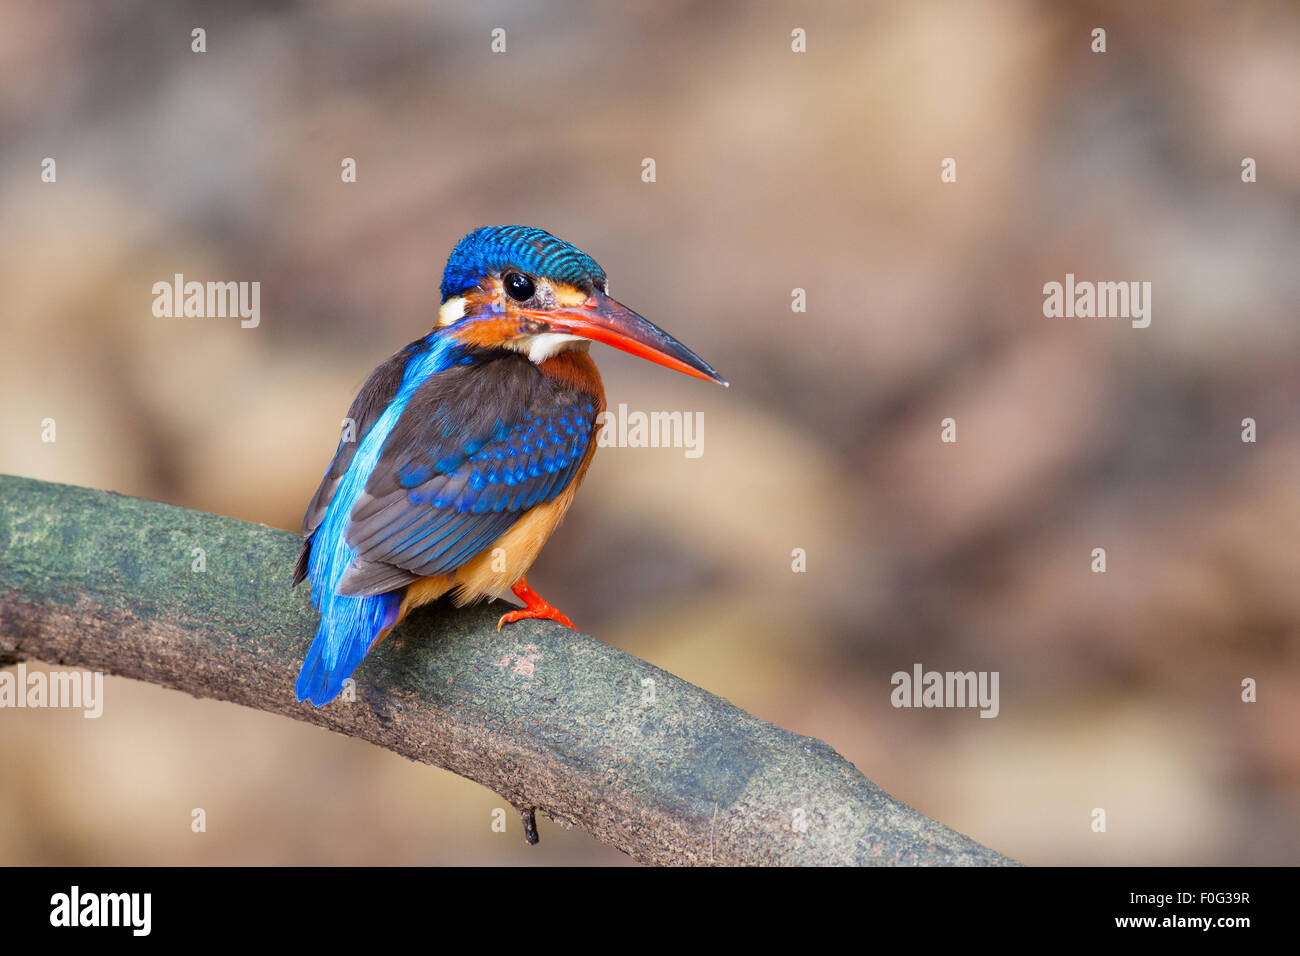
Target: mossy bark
x=547, y=717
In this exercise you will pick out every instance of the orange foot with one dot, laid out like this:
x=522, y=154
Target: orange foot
x=536, y=607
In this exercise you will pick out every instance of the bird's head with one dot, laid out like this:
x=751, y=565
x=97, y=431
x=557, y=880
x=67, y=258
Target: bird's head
x=519, y=288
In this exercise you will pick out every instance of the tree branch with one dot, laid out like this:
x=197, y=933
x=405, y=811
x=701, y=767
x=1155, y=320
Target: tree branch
x=546, y=717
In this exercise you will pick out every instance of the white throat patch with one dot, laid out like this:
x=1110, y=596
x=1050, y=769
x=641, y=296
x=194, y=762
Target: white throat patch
x=539, y=348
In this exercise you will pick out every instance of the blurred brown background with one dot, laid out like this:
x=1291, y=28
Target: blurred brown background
x=775, y=170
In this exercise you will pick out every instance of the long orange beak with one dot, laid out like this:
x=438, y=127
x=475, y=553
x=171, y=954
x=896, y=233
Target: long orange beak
x=602, y=319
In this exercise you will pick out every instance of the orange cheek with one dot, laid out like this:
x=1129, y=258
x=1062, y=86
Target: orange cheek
x=486, y=333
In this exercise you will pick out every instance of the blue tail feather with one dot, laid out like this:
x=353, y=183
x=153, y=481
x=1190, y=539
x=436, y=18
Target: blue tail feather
x=347, y=631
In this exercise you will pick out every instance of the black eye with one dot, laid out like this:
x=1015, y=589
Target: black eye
x=519, y=286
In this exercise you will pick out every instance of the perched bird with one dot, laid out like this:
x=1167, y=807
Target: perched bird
x=466, y=447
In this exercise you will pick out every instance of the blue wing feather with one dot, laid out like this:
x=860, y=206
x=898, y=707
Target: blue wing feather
x=475, y=448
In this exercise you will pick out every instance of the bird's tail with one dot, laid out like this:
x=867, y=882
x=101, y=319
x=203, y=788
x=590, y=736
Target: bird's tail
x=348, y=629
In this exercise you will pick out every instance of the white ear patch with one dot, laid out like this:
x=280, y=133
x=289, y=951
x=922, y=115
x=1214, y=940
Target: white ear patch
x=453, y=310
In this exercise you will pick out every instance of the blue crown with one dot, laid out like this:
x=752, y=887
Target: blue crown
x=528, y=249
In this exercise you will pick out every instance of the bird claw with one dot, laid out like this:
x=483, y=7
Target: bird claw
x=543, y=613
x=535, y=606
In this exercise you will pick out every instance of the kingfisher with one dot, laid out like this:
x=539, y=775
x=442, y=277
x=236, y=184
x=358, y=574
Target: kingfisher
x=462, y=452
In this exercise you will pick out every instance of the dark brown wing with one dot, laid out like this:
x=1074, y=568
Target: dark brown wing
x=477, y=445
